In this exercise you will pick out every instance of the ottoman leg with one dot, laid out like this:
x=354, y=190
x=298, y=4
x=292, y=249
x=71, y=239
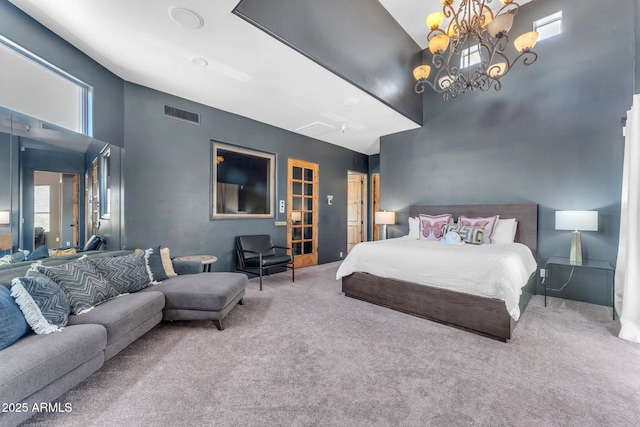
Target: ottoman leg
x=241, y=302
x=218, y=323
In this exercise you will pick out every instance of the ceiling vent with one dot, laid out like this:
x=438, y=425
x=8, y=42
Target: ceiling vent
x=184, y=115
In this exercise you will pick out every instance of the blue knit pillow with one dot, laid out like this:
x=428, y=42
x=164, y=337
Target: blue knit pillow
x=12, y=323
x=43, y=303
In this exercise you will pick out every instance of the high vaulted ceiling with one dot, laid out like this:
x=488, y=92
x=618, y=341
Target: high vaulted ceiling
x=229, y=64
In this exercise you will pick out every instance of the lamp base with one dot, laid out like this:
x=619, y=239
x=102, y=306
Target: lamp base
x=383, y=234
x=575, y=256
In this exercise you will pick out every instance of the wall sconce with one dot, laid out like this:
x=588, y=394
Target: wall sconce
x=576, y=221
x=385, y=218
x=5, y=217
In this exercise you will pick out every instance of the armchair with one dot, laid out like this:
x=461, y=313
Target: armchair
x=256, y=253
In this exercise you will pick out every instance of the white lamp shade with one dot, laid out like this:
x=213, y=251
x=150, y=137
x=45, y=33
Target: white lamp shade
x=5, y=217
x=385, y=218
x=577, y=220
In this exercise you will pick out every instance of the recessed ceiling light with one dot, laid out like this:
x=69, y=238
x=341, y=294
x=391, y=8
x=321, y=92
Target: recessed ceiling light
x=186, y=17
x=200, y=62
x=351, y=102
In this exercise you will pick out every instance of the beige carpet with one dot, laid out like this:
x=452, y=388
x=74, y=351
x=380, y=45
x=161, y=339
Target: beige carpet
x=303, y=354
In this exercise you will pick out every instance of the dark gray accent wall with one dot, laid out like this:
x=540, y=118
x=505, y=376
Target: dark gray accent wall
x=552, y=136
x=168, y=178
x=357, y=40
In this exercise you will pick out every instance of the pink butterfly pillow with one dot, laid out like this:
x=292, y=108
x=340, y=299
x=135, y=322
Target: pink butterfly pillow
x=489, y=224
x=432, y=227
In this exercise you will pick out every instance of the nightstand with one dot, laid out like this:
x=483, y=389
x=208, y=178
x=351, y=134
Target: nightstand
x=586, y=263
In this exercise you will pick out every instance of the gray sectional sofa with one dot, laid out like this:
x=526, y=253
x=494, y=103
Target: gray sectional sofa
x=38, y=369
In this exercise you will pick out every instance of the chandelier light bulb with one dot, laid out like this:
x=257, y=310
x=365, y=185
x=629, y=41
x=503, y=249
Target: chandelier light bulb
x=496, y=70
x=421, y=72
x=526, y=41
x=439, y=43
x=500, y=25
x=434, y=20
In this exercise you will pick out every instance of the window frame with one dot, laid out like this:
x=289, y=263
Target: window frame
x=271, y=178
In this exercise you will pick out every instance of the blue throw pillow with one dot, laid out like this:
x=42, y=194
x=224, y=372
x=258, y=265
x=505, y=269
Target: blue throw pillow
x=12, y=323
x=154, y=262
x=43, y=303
x=40, y=253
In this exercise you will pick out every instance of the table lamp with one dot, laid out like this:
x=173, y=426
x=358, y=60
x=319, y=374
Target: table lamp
x=385, y=218
x=576, y=221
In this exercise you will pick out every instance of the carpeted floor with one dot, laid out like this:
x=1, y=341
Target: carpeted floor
x=303, y=354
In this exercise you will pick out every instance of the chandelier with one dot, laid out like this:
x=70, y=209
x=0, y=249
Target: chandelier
x=469, y=51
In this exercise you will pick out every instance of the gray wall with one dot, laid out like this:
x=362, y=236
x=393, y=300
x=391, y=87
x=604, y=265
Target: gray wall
x=552, y=136
x=168, y=172
x=357, y=39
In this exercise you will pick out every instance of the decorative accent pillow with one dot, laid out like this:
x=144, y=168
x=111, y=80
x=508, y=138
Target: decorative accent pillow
x=432, y=227
x=167, y=264
x=414, y=228
x=505, y=231
x=127, y=273
x=12, y=322
x=39, y=253
x=61, y=252
x=154, y=265
x=488, y=223
x=471, y=235
x=43, y=303
x=82, y=283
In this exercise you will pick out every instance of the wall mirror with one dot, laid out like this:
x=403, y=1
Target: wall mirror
x=243, y=182
x=46, y=174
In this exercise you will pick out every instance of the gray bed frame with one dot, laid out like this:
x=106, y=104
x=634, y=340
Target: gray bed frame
x=481, y=315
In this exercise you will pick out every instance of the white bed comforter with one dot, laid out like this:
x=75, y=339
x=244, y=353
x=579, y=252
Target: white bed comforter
x=492, y=270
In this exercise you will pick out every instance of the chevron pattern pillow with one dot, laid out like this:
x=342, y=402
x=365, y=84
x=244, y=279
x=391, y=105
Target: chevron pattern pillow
x=468, y=234
x=81, y=282
x=43, y=303
x=126, y=273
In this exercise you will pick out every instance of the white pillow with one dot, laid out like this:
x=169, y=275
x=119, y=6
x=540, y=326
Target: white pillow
x=505, y=231
x=414, y=228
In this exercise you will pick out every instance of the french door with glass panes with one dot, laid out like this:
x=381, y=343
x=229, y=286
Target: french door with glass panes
x=302, y=217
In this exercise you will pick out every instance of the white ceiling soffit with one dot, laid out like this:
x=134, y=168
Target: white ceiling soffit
x=412, y=15
x=226, y=63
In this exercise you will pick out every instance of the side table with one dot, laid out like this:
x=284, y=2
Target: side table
x=206, y=260
x=586, y=263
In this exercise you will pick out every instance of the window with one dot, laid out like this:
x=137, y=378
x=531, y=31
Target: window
x=469, y=56
x=548, y=26
x=42, y=207
x=38, y=88
x=243, y=182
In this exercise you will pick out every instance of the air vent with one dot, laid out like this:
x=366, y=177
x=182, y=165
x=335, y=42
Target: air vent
x=184, y=115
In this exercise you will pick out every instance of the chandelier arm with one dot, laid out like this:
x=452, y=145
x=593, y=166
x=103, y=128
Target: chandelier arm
x=512, y=7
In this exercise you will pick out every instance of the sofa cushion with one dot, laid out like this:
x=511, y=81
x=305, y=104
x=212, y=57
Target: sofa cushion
x=43, y=303
x=34, y=361
x=82, y=283
x=206, y=292
x=12, y=323
x=122, y=314
x=126, y=273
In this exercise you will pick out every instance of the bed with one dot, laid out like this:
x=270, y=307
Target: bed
x=480, y=314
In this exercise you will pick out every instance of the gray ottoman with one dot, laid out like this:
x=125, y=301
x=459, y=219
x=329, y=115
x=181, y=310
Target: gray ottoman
x=204, y=296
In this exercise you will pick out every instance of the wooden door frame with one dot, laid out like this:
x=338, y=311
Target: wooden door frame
x=312, y=260
x=364, y=202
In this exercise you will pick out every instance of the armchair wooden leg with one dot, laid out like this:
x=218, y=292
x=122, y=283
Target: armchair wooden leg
x=218, y=323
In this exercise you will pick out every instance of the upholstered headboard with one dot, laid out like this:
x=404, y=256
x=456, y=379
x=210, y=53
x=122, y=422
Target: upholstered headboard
x=525, y=213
